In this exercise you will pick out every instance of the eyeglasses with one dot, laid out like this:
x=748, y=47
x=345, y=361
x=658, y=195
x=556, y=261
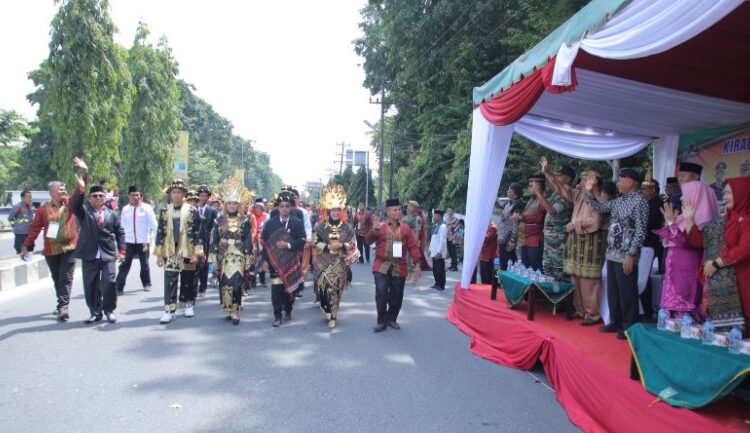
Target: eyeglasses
x=97, y=196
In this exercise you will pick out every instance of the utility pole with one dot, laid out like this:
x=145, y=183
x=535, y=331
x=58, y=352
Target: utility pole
x=381, y=101
x=341, y=155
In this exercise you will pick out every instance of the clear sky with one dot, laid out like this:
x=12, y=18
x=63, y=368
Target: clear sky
x=283, y=72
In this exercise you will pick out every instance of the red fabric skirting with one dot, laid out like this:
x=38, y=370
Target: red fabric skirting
x=587, y=369
x=513, y=103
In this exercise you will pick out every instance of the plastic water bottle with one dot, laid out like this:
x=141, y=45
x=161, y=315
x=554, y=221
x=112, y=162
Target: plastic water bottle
x=685, y=325
x=538, y=276
x=511, y=266
x=708, y=332
x=661, y=323
x=735, y=338
x=210, y=268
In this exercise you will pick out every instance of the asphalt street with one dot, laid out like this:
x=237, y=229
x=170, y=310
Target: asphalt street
x=203, y=374
x=6, y=244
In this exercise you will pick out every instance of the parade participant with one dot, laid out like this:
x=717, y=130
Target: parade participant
x=531, y=223
x=20, y=218
x=207, y=215
x=362, y=225
x=681, y=292
x=139, y=223
x=56, y=220
x=585, y=246
x=261, y=216
x=231, y=247
x=438, y=249
x=627, y=232
x=335, y=251
x=416, y=223
x=559, y=212
x=507, y=229
x=452, y=222
x=179, y=247
x=394, y=240
x=101, y=243
x=283, y=239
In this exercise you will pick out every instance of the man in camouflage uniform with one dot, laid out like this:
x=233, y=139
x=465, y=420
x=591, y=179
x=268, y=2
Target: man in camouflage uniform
x=416, y=224
x=559, y=213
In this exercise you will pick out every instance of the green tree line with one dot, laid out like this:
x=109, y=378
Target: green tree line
x=120, y=109
x=428, y=55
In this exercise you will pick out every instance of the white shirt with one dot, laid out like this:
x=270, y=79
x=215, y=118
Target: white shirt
x=138, y=222
x=308, y=224
x=439, y=242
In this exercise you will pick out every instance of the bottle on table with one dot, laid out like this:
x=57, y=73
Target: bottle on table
x=708, y=332
x=685, y=324
x=661, y=323
x=735, y=340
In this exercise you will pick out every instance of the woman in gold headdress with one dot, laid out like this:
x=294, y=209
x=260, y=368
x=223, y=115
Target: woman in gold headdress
x=231, y=248
x=335, y=251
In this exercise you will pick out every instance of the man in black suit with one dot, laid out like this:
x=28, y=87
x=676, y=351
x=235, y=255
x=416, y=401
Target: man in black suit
x=208, y=216
x=101, y=242
x=283, y=240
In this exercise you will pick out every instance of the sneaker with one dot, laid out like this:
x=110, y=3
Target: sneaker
x=276, y=323
x=189, y=312
x=94, y=318
x=147, y=288
x=331, y=323
x=167, y=317
x=111, y=318
x=62, y=314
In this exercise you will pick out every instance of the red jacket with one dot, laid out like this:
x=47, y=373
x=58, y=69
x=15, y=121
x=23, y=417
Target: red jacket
x=489, y=246
x=384, y=235
x=366, y=218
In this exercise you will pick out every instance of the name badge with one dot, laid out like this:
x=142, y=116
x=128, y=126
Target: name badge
x=52, y=229
x=397, y=249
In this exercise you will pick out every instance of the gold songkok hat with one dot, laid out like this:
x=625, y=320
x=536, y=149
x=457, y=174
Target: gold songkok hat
x=333, y=196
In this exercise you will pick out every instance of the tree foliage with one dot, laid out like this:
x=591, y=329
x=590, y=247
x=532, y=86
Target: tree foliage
x=428, y=56
x=150, y=134
x=89, y=90
x=360, y=184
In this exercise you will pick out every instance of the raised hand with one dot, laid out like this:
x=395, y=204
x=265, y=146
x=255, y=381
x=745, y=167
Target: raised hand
x=688, y=209
x=669, y=212
x=590, y=183
x=544, y=163
x=78, y=163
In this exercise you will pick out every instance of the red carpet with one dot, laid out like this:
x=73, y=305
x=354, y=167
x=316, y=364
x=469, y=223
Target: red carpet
x=588, y=370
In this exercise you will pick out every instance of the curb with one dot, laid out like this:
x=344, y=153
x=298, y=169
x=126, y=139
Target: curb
x=15, y=273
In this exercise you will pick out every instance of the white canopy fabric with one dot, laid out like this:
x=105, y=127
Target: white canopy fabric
x=604, y=111
x=644, y=28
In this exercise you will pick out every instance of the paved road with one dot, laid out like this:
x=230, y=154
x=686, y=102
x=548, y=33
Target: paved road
x=6, y=244
x=205, y=375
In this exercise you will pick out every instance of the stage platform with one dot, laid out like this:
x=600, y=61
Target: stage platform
x=589, y=370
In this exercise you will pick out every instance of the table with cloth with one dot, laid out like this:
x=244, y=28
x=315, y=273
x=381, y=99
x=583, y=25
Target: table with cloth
x=683, y=372
x=515, y=287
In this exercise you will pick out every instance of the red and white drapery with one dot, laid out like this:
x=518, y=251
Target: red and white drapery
x=604, y=110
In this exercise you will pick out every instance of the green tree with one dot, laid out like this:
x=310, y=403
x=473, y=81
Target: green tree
x=89, y=89
x=150, y=134
x=14, y=128
x=345, y=178
x=202, y=169
x=360, y=185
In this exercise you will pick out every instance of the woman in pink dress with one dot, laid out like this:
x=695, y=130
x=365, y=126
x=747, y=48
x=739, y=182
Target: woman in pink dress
x=681, y=291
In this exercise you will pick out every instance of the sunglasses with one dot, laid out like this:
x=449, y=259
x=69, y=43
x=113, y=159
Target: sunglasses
x=97, y=196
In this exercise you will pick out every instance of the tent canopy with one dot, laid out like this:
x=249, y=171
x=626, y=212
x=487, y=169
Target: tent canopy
x=615, y=77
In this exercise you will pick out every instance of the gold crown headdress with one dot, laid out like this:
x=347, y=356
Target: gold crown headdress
x=233, y=190
x=649, y=181
x=333, y=196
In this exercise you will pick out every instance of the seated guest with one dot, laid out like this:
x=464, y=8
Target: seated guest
x=727, y=246
x=531, y=225
x=681, y=292
x=487, y=254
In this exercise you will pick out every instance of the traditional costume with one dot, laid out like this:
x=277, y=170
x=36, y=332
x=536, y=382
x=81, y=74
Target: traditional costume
x=177, y=242
x=554, y=230
x=231, y=248
x=207, y=214
x=331, y=268
x=283, y=263
x=416, y=223
x=394, y=240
